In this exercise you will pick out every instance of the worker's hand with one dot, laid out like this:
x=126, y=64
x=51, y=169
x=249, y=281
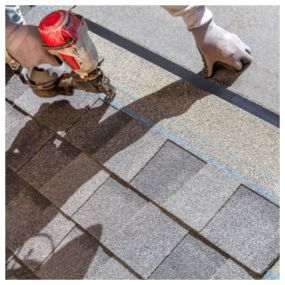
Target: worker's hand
x=23, y=42
x=218, y=45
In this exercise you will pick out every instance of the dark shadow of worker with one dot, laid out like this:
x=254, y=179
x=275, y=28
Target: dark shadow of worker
x=71, y=261
x=93, y=134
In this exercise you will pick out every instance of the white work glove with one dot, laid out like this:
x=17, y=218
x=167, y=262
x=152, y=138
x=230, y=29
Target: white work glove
x=23, y=42
x=218, y=45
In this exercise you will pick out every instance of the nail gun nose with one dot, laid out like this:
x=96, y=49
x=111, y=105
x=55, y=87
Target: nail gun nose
x=108, y=88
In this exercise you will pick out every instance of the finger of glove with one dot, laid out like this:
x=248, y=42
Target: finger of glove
x=246, y=58
x=243, y=47
x=236, y=63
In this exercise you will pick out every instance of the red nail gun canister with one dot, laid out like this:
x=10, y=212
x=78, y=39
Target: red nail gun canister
x=65, y=35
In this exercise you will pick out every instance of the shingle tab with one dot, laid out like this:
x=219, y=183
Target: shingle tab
x=113, y=270
x=112, y=205
x=14, y=185
x=24, y=137
x=8, y=108
x=231, y=271
x=129, y=151
x=191, y=259
x=93, y=131
x=274, y=272
x=201, y=197
x=247, y=228
x=78, y=256
x=62, y=114
x=15, y=88
x=34, y=227
x=47, y=109
x=15, y=121
x=146, y=240
x=74, y=184
x=16, y=271
x=167, y=171
x=55, y=155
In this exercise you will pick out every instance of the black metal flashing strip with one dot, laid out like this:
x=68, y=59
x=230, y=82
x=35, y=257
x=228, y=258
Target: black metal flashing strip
x=193, y=78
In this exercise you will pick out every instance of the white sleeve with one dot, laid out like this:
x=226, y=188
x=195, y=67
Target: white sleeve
x=13, y=14
x=193, y=16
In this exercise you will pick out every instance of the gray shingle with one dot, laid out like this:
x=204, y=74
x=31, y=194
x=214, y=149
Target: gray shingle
x=191, y=259
x=8, y=108
x=74, y=184
x=97, y=127
x=14, y=184
x=129, y=151
x=15, y=121
x=201, y=197
x=16, y=271
x=79, y=256
x=36, y=14
x=32, y=104
x=34, y=227
x=57, y=112
x=24, y=137
x=274, y=272
x=231, y=271
x=15, y=88
x=247, y=228
x=113, y=270
x=146, y=240
x=61, y=114
x=111, y=206
x=167, y=171
x=55, y=155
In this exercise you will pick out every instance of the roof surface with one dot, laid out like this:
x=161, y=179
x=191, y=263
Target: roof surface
x=165, y=182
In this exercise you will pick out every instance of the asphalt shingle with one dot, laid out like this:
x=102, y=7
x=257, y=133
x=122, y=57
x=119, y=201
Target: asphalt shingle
x=17, y=271
x=15, y=121
x=146, y=240
x=24, y=137
x=48, y=109
x=74, y=184
x=55, y=155
x=201, y=197
x=247, y=228
x=167, y=171
x=34, y=227
x=231, y=271
x=15, y=88
x=111, y=206
x=129, y=151
x=8, y=108
x=113, y=270
x=60, y=112
x=14, y=185
x=98, y=126
x=274, y=272
x=79, y=256
x=191, y=259
x=8, y=255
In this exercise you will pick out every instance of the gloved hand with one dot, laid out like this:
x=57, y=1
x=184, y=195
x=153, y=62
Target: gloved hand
x=23, y=42
x=218, y=45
